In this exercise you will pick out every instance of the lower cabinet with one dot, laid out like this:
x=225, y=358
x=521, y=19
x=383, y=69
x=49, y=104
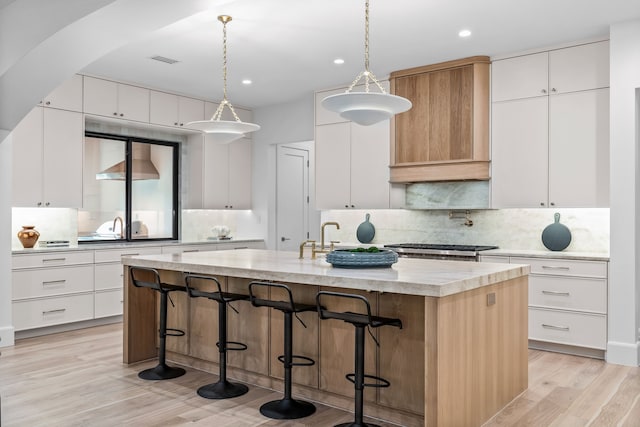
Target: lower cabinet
x=41, y=312
x=567, y=303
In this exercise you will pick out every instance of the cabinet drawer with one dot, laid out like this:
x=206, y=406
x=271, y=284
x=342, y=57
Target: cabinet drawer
x=564, y=327
x=563, y=267
x=115, y=255
x=51, y=281
x=574, y=293
x=109, y=303
x=52, y=259
x=37, y=313
x=180, y=249
x=108, y=276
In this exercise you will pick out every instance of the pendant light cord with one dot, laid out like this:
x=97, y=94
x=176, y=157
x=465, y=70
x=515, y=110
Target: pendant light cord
x=225, y=102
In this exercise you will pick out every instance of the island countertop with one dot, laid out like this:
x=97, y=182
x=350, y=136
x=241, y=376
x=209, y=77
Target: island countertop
x=434, y=278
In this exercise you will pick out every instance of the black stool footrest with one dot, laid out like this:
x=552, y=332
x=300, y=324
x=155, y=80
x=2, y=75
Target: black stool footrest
x=307, y=360
x=381, y=382
x=171, y=332
x=235, y=346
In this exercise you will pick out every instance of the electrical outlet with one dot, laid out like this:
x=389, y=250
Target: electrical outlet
x=491, y=299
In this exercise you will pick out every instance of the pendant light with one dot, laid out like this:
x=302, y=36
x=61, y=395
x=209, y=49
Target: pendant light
x=224, y=131
x=366, y=108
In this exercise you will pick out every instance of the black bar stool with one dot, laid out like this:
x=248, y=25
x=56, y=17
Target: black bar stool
x=222, y=389
x=360, y=321
x=286, y=408
x=140, y=278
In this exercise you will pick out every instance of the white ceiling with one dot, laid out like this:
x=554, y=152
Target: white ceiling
x=287, y=47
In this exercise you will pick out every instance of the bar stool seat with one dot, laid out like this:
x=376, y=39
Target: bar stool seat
x=360, y=321
x=222, y=389
x=143, y=277
x=286, y=408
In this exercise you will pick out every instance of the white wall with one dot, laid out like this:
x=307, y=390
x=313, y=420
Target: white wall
x=6, y=325
x=284, y=123
x=624, y=298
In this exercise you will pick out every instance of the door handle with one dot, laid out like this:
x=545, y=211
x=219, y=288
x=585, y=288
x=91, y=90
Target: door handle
x=282, y=239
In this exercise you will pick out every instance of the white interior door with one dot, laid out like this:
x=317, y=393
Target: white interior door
x=292, y=197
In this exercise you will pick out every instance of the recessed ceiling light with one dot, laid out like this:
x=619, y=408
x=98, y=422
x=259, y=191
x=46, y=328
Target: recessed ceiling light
x=246, y=82
x=338, y=61
x=464, y=33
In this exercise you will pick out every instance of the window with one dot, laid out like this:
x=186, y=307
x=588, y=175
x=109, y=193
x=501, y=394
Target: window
x=130, y=189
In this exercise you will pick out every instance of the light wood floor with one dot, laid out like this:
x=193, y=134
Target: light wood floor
x=78, y=379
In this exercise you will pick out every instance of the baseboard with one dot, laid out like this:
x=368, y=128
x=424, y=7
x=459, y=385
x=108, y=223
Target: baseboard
x=567, y=349
x=29, y=333
x=7, y=336
x=622, y=353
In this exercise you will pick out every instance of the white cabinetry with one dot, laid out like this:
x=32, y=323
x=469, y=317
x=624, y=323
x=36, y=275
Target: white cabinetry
x=47, y=159
x=352, y=161
x=227, y=175
x=52, y=288
x=550, y=129
x=107, y=98
x=567, y=303
x=67, y=96
x=173, y=110
x=109, y=278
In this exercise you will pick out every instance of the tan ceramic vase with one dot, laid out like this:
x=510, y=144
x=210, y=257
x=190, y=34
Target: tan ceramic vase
x=28, y=236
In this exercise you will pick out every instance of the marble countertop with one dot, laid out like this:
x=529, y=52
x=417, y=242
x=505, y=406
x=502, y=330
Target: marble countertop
x=433, y=278
x=118, y=245
x=531, y=253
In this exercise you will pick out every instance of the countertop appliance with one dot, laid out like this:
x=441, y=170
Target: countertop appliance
x=439, y=251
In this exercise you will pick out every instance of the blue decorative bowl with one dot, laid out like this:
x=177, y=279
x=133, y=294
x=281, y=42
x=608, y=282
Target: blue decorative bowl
x=345, y=258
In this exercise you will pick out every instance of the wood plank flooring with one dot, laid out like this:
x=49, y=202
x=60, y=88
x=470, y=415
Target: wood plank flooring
x=77, y=379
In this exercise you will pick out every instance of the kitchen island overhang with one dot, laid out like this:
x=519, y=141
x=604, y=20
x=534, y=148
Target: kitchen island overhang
x=461, y=357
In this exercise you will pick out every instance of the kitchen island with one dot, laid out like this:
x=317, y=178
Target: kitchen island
x=460, y=357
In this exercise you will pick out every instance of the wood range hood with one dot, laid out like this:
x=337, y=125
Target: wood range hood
x=445, y=135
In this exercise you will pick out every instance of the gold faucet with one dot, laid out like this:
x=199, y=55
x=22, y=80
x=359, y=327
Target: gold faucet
x=313, y=248
x=322, y=248
x=113, y=228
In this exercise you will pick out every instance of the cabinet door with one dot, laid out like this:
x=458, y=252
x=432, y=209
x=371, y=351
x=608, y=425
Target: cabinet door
x=579, y=68
x=100, y=97
x=240, y=174
x=333, y=166
x=189, y=110
x=370, y=166
x=216, y=175
x=62, y=167
x=519, y=174
x=520, y=77
x=579, y=149
x=163, y=109
x=27, y=160
x=133, y=103
x=67, y=96
x=192, y=172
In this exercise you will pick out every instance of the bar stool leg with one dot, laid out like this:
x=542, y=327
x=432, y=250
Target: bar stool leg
x=162, y=371
x=359, y=381
x=287, y=408
x=222, y=389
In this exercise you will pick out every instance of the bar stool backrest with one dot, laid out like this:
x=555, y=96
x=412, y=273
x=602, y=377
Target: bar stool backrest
x=138, y=278
x=261, y=302
x=362, y=317
x=192, y=290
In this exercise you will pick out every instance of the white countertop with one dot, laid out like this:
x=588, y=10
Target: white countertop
x=531, y=253
x=433, y=278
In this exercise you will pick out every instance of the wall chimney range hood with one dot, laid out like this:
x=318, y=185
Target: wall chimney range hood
x=142, y=166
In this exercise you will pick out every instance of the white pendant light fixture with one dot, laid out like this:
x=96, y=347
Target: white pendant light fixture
x=366, y=108
x=224, y=131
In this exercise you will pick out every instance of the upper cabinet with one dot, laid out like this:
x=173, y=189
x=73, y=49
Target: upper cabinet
x=117, y=100
x=67, y=96
x=445, y=135
x=550, y=133
x=47, y=159
x=173, y=110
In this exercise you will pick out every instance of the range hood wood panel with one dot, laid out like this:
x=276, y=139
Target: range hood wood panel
x=445, y=136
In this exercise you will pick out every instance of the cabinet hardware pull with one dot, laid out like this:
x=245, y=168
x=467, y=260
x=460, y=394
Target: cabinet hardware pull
x=121, y=301
x=132, y=254
x=563, y=294
x=191, y=250
x=242, y=247
x=557, y=328
x=543, y=91
x=53, y=259
x=552, y=267
x=53, y=282
x=60, y=310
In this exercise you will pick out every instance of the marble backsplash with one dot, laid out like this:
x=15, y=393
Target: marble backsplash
x=506, y=228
